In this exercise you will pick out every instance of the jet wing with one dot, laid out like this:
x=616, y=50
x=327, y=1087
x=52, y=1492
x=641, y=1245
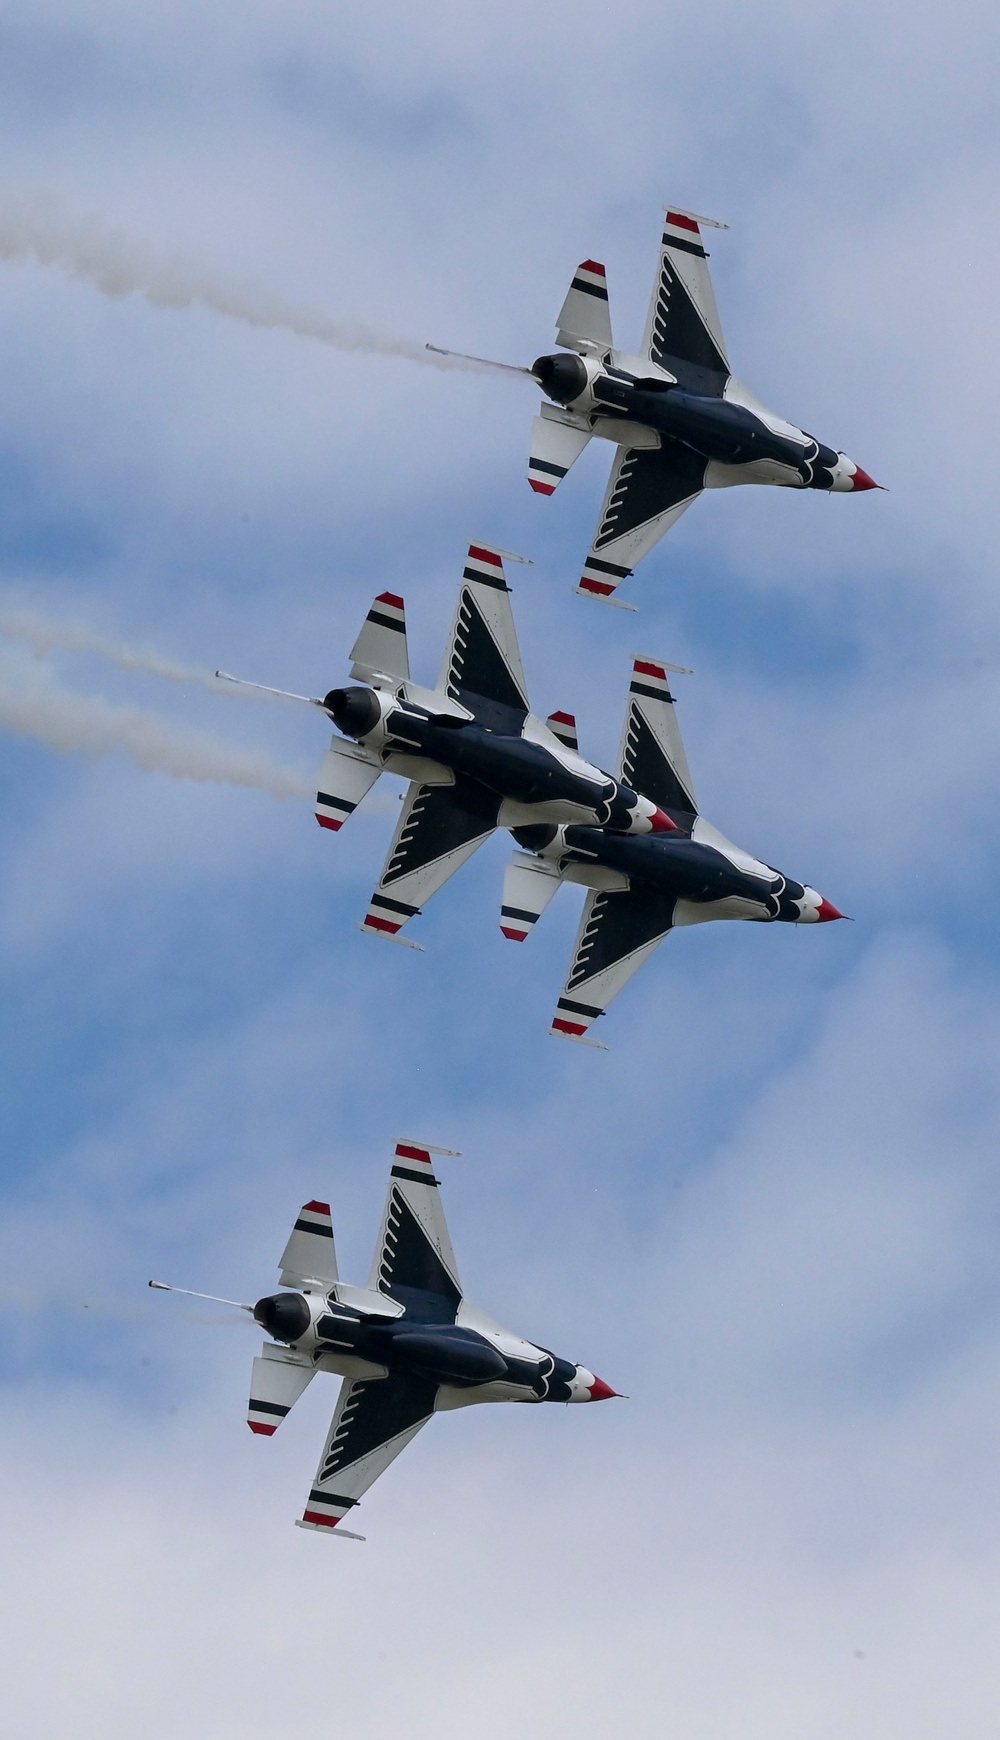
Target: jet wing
x=414, y=1252
x=683, y=330
x=652, y=759
x=618, y=932
x=375, y=1419
x=482, y=666
x=647, y=492
x=438, y=831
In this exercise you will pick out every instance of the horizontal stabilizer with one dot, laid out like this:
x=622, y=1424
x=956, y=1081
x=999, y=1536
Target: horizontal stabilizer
x=557, y=441
x=380, y=649
x=585, y=315
x=279, y=1379
x=346, y=776
x=528, y=885
x=310, y=1254
x=563, y=726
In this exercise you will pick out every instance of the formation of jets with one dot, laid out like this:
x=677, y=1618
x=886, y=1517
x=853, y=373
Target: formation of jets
x=408, y=1345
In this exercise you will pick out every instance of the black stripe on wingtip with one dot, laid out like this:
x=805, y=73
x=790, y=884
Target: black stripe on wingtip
x=269, y=1407
x=600, y=291
x=578, y=1008
x=335, y=803
x=518, y=912
x=385, y=621
x=414, y=1177
x=394, y=905
x=318, y=1496
x=652, y=694
x=309, y=1226
x=495, y=581
x=685, y=246
x=601, y=567
x=547, y=466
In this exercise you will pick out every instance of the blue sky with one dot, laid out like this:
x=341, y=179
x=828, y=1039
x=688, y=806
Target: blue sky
x=769, y=1213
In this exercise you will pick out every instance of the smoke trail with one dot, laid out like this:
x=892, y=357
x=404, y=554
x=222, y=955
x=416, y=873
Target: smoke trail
x=39, y=228
x=34, y=705
x=44, y=636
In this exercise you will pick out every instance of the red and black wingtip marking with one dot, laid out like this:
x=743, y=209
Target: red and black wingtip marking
x=563, y=726
x=592, y=279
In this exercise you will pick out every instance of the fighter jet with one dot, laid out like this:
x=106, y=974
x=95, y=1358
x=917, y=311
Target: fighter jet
x=681, y=420
x=642, y=889
x=476, y=758
x=408, y=1345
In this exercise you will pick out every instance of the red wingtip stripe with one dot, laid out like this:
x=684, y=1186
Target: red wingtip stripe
x=328, y=822
x=478, y=554
x=563, y=718
x=682, y=221
x=514, y=935
x=542, y=488
x=589, y=585
x=257, y=1426
x=315, y=1516
x=316, y=1208
x=373, y=922
x=391, y=598
x=405, y=1152
x=648, y=670
x=592, y=266
x=561, y=1026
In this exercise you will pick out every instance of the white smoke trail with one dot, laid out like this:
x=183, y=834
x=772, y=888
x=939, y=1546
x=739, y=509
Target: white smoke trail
x=44, y=636
x=39, y=228
x=33, y=705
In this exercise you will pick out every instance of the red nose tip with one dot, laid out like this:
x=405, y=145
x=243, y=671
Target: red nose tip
x=600, y=1391
x=660, y=823
x=826, y=912
x=861, y=480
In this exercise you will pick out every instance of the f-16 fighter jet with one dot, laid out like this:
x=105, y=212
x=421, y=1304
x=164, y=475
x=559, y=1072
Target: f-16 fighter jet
x=476, y=758
x=642, y=889
x=408, y=1345
x=681, y=420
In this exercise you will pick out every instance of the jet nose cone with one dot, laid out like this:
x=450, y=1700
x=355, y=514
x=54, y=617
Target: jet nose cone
x=849, y=478
x=600, y=1391
x=660, y=823
x=826, y=912
x=861, y=480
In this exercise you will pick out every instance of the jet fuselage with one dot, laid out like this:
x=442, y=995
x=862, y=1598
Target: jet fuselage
x=687, y=870
x=507, y=763
x=713, y=426
x=421, y=1343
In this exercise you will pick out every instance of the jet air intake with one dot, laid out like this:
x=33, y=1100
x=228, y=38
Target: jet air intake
x=285, y=1316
